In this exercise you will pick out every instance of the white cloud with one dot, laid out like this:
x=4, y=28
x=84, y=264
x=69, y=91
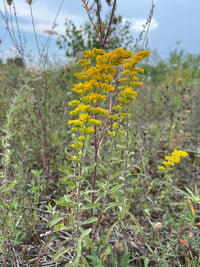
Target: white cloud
x=10, y=53
x=44, y=15
x=137, y=24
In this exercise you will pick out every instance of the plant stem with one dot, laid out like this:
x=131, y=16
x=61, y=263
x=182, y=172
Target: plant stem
x=100, y=28
x=95, y=167
x=109, y=25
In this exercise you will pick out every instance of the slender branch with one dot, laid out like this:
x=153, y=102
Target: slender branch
x=95, y=167
x=100, y=26
x=149, y=23
x=47, y=44
x=89, y=11
x=12, y=27
x=110, y=22
x=34, y=31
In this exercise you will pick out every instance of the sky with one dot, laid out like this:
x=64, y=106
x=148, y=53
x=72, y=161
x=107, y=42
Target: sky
x=173, y=21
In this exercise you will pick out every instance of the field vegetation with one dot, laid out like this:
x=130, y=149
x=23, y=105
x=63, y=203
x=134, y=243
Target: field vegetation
x=123, y=192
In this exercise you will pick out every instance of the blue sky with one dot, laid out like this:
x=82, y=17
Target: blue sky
x=173, y=20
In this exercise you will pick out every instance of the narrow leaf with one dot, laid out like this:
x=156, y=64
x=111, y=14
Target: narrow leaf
x=115, y=188
x=108, y=234
x=60, y=252
x=55, y=221
x=85, y=233
x=91, y=206
x=114, y=175
x=90, y=220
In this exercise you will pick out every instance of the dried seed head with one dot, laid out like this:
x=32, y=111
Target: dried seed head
x=29, y=2
x=9, y=2
x=119, y=248
x=157, y=226
x=51, y=32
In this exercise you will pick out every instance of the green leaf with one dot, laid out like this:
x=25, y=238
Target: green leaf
x=71, y=184
x=91, y=206
x=84, y=261
x=114, y=175
x=88, y=242
x=108, y=234
x=113, y=204
x=115, y=188
x=89, y=192
x=90, y=220
x=60, y=252
x=10, y=187
x=65, y=201
x=78, y=252
x=55, y=221
x=85, y=233
x=146, y=262
x=136, y=223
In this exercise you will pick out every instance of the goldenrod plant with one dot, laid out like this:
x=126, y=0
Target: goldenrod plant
x=85, y=176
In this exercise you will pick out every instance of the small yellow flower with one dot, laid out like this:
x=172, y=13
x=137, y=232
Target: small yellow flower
x=111, y=133
x=115, y=124
x=74, y=158
x=77, y=145
x=173, y=159
x=94, y=122
x=121, y=131
x=86, y=130
x=74, y=129
x=82, y=138
x=162, y=168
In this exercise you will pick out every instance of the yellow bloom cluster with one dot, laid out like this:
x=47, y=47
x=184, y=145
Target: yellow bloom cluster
x=98, y=81
x=172, y=160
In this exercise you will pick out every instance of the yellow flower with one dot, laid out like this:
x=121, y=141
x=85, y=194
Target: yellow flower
x=74, y=129
x=99, y=80
x=74, y=158
x=115, y=124
x=77, y=123
x=77, y=145
x=94, y=97
x=86, y=130
x=74, y=102
x=82, y=138
x=99, y=110
x=81, y=76
x=81, y=108
x=111, y=133
x=162, y=168
x=84, y=117
x=117, y=107
x=84, y=62
x=126, y=72
x=94, y=122
x=122, y=80
x=173, y=159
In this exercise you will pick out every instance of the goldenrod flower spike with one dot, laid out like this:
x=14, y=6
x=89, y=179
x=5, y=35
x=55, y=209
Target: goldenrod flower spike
x=172, y=160
x=98, y=84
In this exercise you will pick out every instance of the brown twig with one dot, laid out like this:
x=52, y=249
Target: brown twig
x=110, y=22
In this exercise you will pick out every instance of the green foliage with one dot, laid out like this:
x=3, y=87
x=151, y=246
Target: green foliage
x=131, y=194
x=178, y=68
x=76, y=41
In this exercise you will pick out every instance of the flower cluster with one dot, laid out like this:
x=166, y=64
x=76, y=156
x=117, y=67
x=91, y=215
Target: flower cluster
x=100, y=92
x=172, y=160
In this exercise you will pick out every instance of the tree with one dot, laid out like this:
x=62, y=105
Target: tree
x=77, y=39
